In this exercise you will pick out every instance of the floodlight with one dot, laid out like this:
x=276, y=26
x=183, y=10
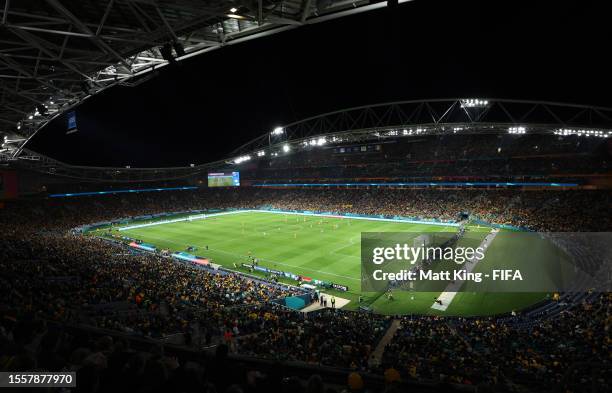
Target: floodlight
x=286, y=148
x=582, y=132
x=277, y=131
x=474, y=103
x=233, y=10
x=517, y=130
x=41, y=109
x=241, y=159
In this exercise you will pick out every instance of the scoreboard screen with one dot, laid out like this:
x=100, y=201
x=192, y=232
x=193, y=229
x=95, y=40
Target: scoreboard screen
x=223, y=179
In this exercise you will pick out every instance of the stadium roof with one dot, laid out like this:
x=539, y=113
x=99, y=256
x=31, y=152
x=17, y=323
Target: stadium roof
x=439, y=116
x=364, y=124
x=56, y=53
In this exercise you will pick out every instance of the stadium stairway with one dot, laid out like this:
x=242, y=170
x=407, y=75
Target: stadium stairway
x=380, y=348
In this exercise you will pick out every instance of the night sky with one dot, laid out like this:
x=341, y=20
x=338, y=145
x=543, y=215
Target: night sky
x=207, y=106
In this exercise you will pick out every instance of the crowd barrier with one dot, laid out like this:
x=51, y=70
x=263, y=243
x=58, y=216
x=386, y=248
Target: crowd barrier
x=295, y=277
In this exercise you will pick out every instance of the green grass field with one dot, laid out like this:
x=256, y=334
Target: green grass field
x=322, y=248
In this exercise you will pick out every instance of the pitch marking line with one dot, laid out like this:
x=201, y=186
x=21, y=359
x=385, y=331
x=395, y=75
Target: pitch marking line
x=451, y=290
x=262, y=259
x=289, y=265
x=188, y=218
x=205, y=216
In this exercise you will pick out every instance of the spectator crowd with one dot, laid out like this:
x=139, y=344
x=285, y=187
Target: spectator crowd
x=52, y=278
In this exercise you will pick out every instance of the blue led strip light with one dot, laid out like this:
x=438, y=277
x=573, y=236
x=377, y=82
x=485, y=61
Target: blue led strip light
x=122, y=191
x=496, y=184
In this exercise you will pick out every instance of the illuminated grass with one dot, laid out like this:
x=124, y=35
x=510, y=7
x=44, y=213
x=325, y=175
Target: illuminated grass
x=318, y=247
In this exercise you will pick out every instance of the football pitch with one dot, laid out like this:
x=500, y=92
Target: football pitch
x=320, y=247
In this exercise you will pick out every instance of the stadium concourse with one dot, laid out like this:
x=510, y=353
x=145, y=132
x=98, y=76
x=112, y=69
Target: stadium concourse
x=135, y=321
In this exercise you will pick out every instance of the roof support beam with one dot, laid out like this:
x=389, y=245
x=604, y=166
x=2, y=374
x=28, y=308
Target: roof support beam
x=163, y=18
x=37, y=43
x=5, y=13
x=103, y=21
x=35, y=101
x=83, y=28
x=109, y=33
x=15, y=110
x=12, y=123
x=15, y=66
x=140, y=41
x=305, y=10
x=138, y=17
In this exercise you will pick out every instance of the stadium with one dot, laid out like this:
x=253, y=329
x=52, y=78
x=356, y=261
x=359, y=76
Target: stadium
x=164, y=229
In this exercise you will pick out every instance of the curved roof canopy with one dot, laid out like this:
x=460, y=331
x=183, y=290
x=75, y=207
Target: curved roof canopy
x=439, y=116
x=401, y=119
x=56, y=53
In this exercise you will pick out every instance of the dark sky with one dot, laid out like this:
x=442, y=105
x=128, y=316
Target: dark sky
x=209, y=105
